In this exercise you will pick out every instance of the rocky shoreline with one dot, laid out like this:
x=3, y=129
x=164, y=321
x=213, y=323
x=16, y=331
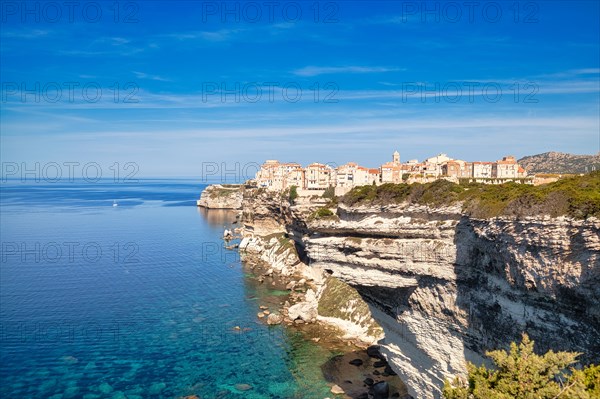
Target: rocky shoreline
x=361, y=372
x=310, y=289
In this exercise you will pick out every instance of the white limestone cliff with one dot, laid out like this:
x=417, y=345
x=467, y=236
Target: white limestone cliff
x=219, y=196
x=444, y=287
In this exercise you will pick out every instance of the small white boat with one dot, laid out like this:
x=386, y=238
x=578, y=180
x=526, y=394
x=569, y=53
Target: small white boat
x=115, y=203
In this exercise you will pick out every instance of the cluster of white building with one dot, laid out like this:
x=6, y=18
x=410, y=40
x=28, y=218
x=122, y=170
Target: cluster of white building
x=316, y=176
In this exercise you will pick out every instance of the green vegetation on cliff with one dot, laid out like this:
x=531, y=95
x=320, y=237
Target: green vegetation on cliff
x=215, y=192
x=293, y=194
x=577, y=196
x=341, y=301
x=520, y=373
x=323, y=213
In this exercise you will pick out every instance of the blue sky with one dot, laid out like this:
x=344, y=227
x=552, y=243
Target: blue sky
x=420, y=78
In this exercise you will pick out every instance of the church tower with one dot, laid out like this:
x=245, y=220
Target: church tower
x=396, y=157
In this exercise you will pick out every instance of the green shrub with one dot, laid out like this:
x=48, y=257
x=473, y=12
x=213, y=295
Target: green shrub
x=293, y=194
x=520, y=373
x=329, y=193
x=323, y=212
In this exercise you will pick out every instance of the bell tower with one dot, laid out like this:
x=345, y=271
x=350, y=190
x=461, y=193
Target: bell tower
x=396, y=158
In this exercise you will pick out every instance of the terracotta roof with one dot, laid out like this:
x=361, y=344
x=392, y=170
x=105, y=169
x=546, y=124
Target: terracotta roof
x=316, y=165
x=391, y=165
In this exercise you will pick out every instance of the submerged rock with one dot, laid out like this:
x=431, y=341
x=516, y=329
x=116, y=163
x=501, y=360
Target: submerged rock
x=274, y=319
x=105, y=388
x=243, y=387
x=156, y=388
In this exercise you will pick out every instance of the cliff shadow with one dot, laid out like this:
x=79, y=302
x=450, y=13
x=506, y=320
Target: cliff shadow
x=498, y=288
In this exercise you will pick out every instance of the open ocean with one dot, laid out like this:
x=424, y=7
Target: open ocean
x=135, y=301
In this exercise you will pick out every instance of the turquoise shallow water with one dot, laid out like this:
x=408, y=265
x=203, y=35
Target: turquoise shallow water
x=135, y=301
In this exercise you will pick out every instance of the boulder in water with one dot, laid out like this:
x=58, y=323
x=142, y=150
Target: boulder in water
x=337, y=390
x=274, y=319
x=303, y=310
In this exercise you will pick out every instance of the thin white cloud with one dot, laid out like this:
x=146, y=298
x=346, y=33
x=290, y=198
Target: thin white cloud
x=466, y=89
x=117, y=41
x=373, y=127
x=142, y=75
x=586, y=71
x=220, y=35
x=403, y=94
x=327, y=70
x=115, y=50
x=571, y=73
x=26, y=34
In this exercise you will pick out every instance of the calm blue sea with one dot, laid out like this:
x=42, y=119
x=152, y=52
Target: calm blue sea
x=135, y=301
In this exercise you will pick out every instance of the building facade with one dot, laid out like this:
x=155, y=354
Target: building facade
x=319, y=176
x=482, y=170
x=277, y=176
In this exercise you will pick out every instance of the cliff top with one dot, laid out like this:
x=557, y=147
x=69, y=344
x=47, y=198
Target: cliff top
x=577, y=197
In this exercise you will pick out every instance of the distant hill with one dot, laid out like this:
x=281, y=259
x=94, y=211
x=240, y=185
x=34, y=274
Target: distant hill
x=558, y=162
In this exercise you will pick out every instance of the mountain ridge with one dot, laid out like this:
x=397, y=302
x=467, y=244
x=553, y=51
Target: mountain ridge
x=560, y=163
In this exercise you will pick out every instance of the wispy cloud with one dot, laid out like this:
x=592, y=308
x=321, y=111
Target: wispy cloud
x=327, y=70
x=372, y=127
x=220, y=35
x=96, y=53
x=142, y=75
x=571, y=73
x=25, y=34
x=117, y=41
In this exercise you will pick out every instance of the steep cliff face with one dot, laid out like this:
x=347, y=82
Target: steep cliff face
x=445, y=287
x=221, y=197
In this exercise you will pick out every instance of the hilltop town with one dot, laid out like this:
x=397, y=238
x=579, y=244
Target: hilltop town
x=277, y=176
